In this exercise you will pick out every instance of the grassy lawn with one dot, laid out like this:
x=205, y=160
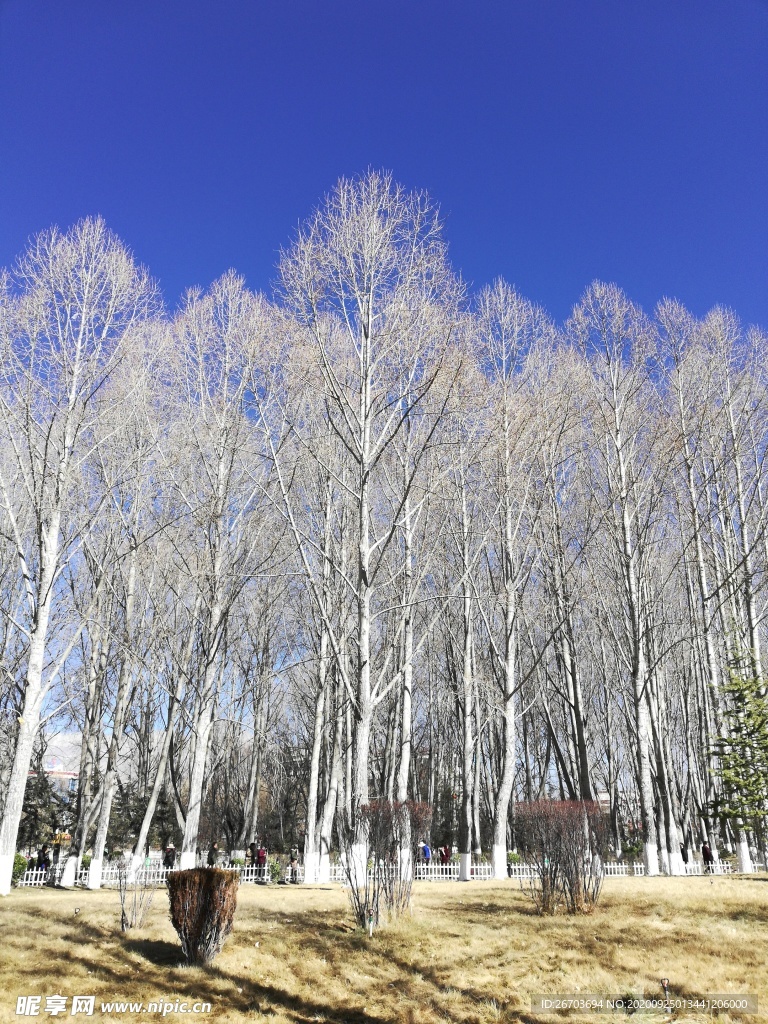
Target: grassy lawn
x=468, y=953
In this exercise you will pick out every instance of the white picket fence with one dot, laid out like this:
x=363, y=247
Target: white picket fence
x=520, y=870
x=720, y=867
x=38, y=877
x=337, y=874
x=149, y=874
x=484, y=872
x=436, y=872
x=695, y=867
x=425, y=873
x=613, y=870
x=254, y=873
x=155, y=874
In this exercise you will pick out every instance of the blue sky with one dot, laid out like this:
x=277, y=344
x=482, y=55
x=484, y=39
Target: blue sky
x=563, y=139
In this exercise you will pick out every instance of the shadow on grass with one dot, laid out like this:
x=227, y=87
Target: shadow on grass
x=156, y=951
x=85, y=951
x=478, y=911
x=424, y=984
x=265, y=998
x=260, y=996
x=441, y=989
x=758, y=915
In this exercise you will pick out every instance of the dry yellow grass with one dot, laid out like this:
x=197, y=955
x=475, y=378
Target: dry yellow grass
x=469, y=953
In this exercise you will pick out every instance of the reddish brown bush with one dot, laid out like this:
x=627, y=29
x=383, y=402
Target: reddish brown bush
x=203, y=902
x=563, y=840
x=391, y=829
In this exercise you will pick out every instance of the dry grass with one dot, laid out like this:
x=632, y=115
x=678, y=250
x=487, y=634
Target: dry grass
x=469, y=953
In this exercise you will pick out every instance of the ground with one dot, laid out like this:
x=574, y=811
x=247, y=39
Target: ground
x=471, y=952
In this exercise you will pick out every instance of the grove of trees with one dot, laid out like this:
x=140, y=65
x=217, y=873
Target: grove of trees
x=373, y=537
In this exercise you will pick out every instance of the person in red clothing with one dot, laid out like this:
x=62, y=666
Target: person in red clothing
x=261, y=860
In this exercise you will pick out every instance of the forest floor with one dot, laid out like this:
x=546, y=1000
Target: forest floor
x=472, y=952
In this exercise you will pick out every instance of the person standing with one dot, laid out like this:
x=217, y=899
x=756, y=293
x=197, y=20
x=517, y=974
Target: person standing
x=213, y=854
x=170, y=857
x=261, y=861
x=708, y=857
x=294, y=864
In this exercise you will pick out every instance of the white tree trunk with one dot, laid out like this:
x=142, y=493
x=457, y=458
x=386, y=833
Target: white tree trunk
x=499, y=860
x=118, y=724
x=406, y=722
x=197, y=780
x=651, y=858
x=331, y=797
x=22, y=757
x=312, y=838
x=465, y=867
x=743, y=856
x=506, y=782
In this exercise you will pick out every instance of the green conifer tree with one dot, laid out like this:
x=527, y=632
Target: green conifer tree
x=743, y=751
x=45, y=811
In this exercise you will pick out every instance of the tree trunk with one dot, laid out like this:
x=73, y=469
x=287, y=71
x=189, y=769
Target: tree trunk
x=406, y=723
x=331, y=797
x=34, y=693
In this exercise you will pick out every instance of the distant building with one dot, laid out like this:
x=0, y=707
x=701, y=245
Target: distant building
x=63, y=782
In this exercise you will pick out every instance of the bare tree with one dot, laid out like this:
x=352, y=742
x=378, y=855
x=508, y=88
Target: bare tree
x=367, y=281
x=616, y=339
x=63, y=321
x=217, y=482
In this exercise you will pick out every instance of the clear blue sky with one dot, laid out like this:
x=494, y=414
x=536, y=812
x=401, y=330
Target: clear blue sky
x=564, y=139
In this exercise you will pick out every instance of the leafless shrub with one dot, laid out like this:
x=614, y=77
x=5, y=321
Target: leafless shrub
x=583, y=843
x=135, y=896
x=384, y=890
x=540, y=839
x=203, y=902
x=563, y=840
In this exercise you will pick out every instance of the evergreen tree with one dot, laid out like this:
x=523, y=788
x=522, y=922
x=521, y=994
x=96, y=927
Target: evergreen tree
x=743, y=750
x=45, y=811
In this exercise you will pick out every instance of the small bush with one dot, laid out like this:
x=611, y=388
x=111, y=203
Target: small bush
x=202, y=903
x=632, y=851
x=86, y=862
x=390, y=828
x=19, y=867
x=513, y=858
x=563, y=840
x=135, y=896
x=274, y=868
